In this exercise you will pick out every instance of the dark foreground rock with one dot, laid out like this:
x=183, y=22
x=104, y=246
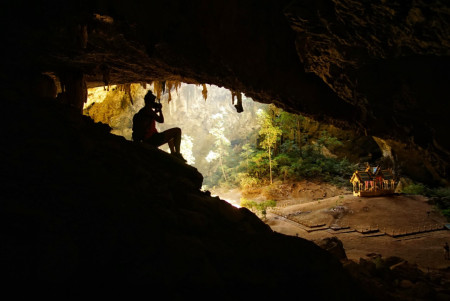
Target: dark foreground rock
x=85, y=211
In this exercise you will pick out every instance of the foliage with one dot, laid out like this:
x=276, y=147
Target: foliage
x=247, y=203
x=327, y=141
x=440, y=195
x=269, y=131
x=269, y=136
x=441, y=192
x=247, y=181
x=260, y=207
x=271, y=191
x=283, y=152
x=413, y=188
x=221, y=143
x=446, y=213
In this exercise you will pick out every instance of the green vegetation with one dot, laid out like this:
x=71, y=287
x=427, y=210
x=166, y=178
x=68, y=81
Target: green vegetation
x=221, y=143
x=279, y=151
x=269, y=136
x=440, y=196
x=260, y=207
x=413, y=188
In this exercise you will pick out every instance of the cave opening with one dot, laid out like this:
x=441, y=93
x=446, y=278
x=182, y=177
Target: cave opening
x=229, y=146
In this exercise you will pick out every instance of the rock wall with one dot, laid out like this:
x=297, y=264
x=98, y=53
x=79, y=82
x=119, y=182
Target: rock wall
x=380, y=68
x=88, y=213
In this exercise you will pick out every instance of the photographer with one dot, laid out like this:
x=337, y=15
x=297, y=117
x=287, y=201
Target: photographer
x=144, y=127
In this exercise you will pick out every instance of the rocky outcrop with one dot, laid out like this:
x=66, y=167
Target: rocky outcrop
x=335, y=246
x=393, y=278
x=83, y=210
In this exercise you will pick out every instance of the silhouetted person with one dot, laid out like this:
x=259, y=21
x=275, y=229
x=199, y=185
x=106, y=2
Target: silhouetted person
x=446, y=251
x=144, y=127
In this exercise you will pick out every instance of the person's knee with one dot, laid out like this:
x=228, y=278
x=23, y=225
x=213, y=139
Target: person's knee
x=176, y=132
x=172, y=133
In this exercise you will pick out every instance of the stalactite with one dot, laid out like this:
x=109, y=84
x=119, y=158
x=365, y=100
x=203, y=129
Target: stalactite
x=169, y=89
x=127, y=89
x=106, y=75
x=205, y=92
x=177, y=85
x=238, y=96
x=159, y=90
x=160, y=87
x=170, y=85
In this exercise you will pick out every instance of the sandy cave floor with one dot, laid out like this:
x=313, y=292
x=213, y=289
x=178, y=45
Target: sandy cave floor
x=391, y=214
x=306, y=205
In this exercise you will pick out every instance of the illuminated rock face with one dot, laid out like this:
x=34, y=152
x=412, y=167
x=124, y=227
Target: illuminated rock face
x=389, y=59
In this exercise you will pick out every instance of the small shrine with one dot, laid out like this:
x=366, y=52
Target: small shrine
x=373, y=181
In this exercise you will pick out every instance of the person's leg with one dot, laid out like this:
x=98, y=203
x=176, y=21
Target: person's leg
x=173, y=138
x=171, y=146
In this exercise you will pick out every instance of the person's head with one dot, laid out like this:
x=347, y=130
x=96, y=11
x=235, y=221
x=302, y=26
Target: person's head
x=149, y=99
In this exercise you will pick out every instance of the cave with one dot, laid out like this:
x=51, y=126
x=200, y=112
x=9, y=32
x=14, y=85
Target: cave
x=84, y=210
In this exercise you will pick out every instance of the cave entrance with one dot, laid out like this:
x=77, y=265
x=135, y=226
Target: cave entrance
x=213, y=131
x=262, y=155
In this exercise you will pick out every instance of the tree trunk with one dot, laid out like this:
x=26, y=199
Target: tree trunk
x=270, y=167
x=221, y=166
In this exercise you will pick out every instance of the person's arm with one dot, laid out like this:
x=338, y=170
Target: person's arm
x=153, y=114
x=159, y=118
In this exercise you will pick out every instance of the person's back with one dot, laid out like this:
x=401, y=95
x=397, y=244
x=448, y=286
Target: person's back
x=140, y=124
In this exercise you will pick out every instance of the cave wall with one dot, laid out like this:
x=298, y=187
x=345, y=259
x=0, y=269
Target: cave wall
x=86, y=213
x=390, y=59
x=377, y=67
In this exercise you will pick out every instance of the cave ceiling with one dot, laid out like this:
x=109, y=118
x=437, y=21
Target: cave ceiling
x=379, y=67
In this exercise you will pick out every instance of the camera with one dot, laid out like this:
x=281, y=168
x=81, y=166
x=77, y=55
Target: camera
x=157, y=105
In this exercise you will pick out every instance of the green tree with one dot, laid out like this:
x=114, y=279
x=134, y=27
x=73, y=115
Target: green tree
x=247, y=151
x=269, y=134
x=284, y=164
x=258, y=164
x=326, y=140
x=290, y=124
x=221, y=143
